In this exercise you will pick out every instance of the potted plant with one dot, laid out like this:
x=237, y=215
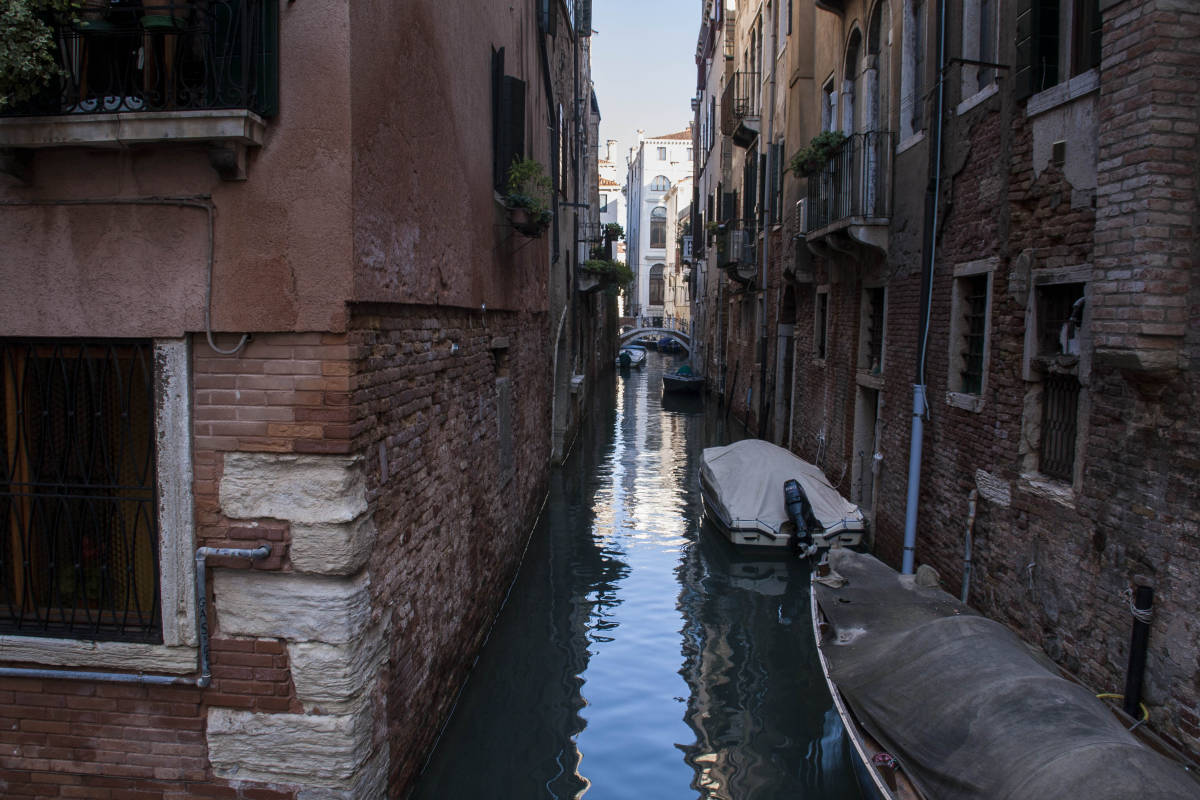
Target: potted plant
x=812, y=158
x=612, y=275
x=29, y=57
x=613, y=231
x=528, y=197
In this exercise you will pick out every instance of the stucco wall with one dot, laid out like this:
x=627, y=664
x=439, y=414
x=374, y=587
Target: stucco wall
x=426, y=221
x=281, y=259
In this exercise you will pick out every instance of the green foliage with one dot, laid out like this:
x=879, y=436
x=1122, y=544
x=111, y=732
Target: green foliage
x=27, y=46
x=613, y=231
x=529, y=187
x=613, y=274
x=810, y=159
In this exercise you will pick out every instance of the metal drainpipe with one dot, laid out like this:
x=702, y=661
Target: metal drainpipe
x=766, y=248
x=201, y=681
x=920, y=402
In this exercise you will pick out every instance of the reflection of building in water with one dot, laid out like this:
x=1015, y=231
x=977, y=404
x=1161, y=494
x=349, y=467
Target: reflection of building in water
x=758, y=706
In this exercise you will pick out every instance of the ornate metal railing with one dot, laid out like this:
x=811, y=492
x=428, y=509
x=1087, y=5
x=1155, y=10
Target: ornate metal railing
x=740, y=100
x=856, y=182
x=78, y=490
x=163, y=55
x=1060, y=404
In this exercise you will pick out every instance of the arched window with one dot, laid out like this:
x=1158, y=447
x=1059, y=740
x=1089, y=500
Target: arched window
x=658, y=227
x=851, y=94
x=660, y=184
x=656, y=285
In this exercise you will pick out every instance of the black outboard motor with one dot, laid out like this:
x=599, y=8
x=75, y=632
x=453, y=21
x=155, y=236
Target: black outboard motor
x=800, y=512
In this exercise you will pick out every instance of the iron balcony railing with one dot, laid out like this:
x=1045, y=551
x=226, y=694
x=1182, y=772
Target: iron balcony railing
x=737, y=249
x=855, y=183
x=163, y=55
x=740, y=101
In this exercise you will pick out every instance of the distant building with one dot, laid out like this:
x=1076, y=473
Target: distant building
x=655, y=165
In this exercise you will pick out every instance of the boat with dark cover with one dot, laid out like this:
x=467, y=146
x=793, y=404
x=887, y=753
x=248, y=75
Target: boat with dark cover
x=940, y=702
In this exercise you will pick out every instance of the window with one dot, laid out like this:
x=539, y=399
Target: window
x=656, y=285
x=828, y=105
x=870, y=346
x=603, y=202
x=1059, y=40
x=912, y=103
x=851, y=96
x=660, y=184
x=508, y=121
x=979, y=44
x=973, y=309
x=970, y=321
x=821, y=324
x=689, y=155
x=1055, y=336
x=95, y=495
x=662, y=154
x=658, y=227
x=80, y=551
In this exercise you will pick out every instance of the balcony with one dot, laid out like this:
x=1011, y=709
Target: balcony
x=849, y=200
x=190, y=70
x=737, y=250
x=740, y=107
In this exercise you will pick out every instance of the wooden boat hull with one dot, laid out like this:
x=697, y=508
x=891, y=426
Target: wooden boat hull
x=682, y=383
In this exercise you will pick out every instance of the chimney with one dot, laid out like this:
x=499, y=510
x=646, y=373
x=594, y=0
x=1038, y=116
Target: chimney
x=609, y=147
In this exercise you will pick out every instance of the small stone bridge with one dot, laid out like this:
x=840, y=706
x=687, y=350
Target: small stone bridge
x=631, y=332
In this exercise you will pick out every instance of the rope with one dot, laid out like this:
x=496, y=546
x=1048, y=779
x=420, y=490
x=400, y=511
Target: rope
x=1142, y=615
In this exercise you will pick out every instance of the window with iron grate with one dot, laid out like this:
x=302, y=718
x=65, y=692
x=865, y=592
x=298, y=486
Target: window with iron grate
x=79, y=548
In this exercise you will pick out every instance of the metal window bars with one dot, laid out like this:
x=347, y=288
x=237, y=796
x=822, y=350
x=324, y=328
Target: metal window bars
x=163, y=55
x=856, y=182
x=78, y=490
x=1060, y=409
x=975, y=303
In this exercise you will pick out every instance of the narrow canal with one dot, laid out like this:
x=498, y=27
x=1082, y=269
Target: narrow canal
x=638, y=655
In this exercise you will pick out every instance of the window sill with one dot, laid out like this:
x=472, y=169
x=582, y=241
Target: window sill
x=1048, y=489
x=869, y=380
x=1083, y=84
x=967, y=402
x=977, y=98
x=104, y=655
x=912, y=141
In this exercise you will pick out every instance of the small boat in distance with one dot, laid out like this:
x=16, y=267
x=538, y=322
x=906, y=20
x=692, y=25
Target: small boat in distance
x=942, y=703
x=682, y=380
x=632, y=355
x=743, y=489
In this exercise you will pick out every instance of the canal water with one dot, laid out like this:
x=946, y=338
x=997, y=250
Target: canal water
x=638, y=654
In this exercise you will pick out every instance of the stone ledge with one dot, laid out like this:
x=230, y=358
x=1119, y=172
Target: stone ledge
x=332, y=548
x=305, y=489
x=231, y=126
x=299, y=608
x=307, y=749
x=331, y=678
x=125, y=656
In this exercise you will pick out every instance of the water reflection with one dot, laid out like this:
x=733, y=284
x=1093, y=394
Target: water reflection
x=637, y=654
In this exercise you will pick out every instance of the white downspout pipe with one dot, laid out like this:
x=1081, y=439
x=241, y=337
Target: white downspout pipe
x=920, y=401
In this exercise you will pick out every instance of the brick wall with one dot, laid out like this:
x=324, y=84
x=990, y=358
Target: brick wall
x=452, y=508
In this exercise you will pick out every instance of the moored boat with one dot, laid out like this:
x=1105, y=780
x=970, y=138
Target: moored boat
x=632, y=355
x=682, y=380
x=742, y=486
x=940, y=702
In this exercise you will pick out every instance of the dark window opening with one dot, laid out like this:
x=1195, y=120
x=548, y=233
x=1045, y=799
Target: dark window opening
x=822, y=326
x=974, y=326
x=656, y=285
x=78, y=496
x=1060, y=404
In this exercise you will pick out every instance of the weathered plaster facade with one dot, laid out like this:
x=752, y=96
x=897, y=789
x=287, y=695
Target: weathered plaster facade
x=393, y=368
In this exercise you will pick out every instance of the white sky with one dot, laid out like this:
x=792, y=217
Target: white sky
x=644, y=68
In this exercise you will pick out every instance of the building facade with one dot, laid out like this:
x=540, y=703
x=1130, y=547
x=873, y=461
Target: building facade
x=993, y=276
x=654, y=166
x=282, y=381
